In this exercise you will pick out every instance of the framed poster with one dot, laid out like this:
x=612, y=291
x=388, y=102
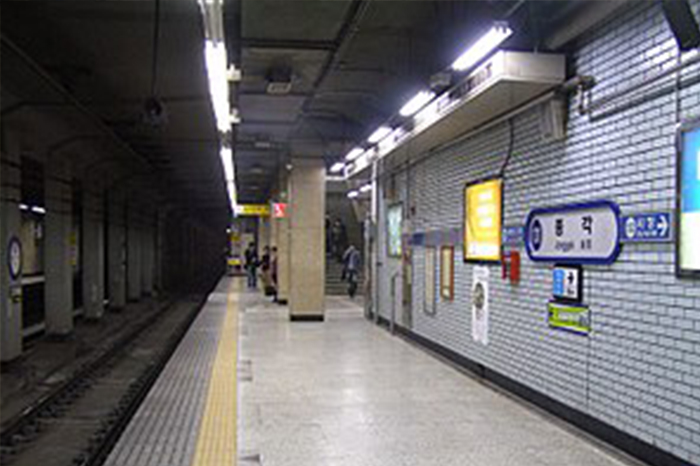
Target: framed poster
x=483, y=219
x=480, y=305
x=447, y=275
x=688, y=218
x=429, y=286
x=394, y=219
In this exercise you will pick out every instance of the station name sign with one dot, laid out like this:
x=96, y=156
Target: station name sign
x=587, y=233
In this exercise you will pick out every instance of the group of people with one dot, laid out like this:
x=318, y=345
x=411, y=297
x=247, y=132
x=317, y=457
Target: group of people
x=267, y=264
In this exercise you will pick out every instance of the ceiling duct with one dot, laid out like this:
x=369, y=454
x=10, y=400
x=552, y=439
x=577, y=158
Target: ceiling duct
x=279, y=80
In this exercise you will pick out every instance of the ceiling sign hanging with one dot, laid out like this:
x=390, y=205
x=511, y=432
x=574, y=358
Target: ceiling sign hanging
x=586, y=233
x=279, y=210
x=253, y=210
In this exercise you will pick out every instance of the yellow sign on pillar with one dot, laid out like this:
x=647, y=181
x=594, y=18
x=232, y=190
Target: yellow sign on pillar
x=253, y=210
x=483, y=221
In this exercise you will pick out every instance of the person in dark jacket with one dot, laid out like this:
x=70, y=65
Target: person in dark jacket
x=251, y=265
x=351, y=268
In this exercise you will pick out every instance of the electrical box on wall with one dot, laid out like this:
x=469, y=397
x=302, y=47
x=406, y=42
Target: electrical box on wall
x=553, y=120
x=510, y=267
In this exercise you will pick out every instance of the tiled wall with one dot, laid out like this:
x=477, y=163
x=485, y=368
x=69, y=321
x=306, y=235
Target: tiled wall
x=639, y=369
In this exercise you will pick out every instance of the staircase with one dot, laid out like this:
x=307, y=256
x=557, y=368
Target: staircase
x=334, y=285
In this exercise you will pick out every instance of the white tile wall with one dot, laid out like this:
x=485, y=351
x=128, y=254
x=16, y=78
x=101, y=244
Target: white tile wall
x=639, y=370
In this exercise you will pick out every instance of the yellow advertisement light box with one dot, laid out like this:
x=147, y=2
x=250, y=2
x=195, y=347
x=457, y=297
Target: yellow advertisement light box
x=483, y=218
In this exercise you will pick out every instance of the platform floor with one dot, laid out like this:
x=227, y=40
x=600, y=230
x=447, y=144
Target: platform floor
x=343, y=392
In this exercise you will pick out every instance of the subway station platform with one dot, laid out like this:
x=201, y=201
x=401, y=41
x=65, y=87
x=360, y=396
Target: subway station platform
x=247, y=386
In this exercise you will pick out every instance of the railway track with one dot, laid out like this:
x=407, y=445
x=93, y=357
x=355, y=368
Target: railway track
x=79, y=422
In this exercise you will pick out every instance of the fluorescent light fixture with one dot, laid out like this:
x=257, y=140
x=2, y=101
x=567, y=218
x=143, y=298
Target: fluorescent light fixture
x=23, y=207
x=353, y=154
x=353, y=194
x=366, y=188
x=38, y=210
x=219, y=75
x=337, y=167
x=227, y=162
x=215, y=54
x=379, y=134
x=482, y=47
x=416, y=103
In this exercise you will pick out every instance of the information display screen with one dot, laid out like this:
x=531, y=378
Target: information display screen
x=483, y=221
x=688, y=249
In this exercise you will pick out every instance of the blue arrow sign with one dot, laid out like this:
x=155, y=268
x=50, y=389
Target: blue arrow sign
x=653, y=227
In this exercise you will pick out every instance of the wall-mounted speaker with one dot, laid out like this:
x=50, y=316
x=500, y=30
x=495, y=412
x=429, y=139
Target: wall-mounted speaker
x=682, y=22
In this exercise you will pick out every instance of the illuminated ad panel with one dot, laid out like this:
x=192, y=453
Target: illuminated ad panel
x=483, y=221
x=689, y=219
x=394, y=230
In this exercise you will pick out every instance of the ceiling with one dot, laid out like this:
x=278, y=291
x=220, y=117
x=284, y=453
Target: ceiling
x=102, y=54
x=352, y=64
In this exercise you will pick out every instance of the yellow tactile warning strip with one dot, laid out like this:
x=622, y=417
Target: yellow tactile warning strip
x=217, y=442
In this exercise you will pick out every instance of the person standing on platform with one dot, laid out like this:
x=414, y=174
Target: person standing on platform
x=265, y=271
x=351, y=260
x=251, y=265
x=273, y=272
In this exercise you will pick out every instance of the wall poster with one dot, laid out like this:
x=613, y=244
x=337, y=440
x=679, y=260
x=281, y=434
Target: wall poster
x=480, y=305
x=688, y=248
x=447, y=277
x=394, y=218
x=429, y=287
x=483, y=218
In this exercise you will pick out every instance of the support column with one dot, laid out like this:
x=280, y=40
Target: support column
x=133, y=254
x=158, y=260
x=59, y=274
x=147, y=255
x=263, y=234
x=10, y=222
x=116, y=247
x=280, y=233
x=307, y=195
x=93, y=254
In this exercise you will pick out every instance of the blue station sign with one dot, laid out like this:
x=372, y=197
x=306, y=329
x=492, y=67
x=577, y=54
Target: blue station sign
x=513, y=235
x=587, y=233
x=655, y=227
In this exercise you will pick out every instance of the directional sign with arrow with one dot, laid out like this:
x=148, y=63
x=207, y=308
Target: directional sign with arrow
x=654, y=227
x=567, y=284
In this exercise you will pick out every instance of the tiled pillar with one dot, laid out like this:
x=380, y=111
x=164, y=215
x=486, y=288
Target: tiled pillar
x=93, y=253
x=280, y=234
x=10, y=221
x=307, y=196
x=58, y=301
x=159, y=254
x=147, y=255
x=133, y=254
x=263, y=234
x=116, y=249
